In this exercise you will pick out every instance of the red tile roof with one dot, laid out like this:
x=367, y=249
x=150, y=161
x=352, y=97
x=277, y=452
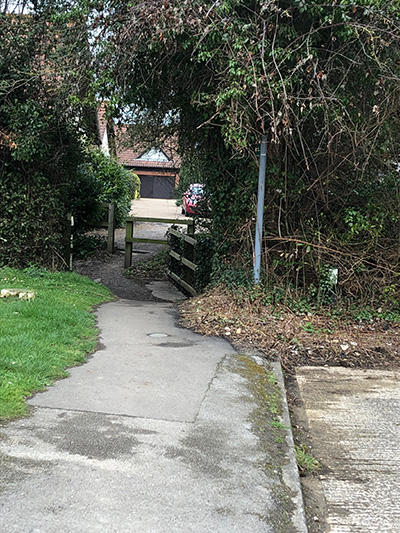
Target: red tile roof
x=129, y=155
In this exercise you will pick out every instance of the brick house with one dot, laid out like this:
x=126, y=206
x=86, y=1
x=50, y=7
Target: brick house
x=157, y=167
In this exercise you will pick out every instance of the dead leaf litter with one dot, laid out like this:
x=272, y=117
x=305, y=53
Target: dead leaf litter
x=297, y=339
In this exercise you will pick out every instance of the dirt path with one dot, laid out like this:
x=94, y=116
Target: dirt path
x=109, y=268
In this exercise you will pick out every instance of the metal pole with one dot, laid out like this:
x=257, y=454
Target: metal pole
x=260, y=208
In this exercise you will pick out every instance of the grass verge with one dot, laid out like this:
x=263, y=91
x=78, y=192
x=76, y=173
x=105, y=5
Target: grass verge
x=40, y=338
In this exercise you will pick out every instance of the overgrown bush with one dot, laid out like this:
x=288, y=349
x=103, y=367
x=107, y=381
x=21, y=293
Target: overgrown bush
x=103, y=179
x=321, y=80
x=44, y=118
x=31, y=221
x=204, y=254
x=38, y=184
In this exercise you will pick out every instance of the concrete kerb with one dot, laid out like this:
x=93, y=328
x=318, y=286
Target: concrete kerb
x=290, y=470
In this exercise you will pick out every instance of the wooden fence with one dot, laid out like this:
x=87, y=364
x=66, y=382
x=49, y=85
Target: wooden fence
x=185, y=274
x=130, y=228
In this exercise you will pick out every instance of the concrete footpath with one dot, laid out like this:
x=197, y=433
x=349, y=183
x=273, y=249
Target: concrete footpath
x=160, y=431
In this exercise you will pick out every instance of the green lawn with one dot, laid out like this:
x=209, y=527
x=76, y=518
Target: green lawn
x=40, y=338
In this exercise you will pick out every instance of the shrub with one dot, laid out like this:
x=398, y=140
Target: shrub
x=31, y=221
x=45, y=114
x=103, y=179
x=135, y=186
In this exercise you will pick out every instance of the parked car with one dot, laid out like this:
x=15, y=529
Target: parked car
x=192, y=200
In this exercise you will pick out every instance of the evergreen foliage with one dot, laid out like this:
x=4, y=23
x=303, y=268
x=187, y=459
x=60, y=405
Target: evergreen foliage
x=47, y=121
x=44, y=80
x=105, y=181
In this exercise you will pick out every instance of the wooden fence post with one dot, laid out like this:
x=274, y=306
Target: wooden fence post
x=190, y=228
x=111, y=228
x=128, y=244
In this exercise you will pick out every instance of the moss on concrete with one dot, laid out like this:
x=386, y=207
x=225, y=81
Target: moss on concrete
x=267, y=425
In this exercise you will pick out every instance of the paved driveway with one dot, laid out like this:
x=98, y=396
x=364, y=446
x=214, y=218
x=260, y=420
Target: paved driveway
x=152, y=208
x=155, y=207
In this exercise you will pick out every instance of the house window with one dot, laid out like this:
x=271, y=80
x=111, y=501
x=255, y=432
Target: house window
x=155, y=154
